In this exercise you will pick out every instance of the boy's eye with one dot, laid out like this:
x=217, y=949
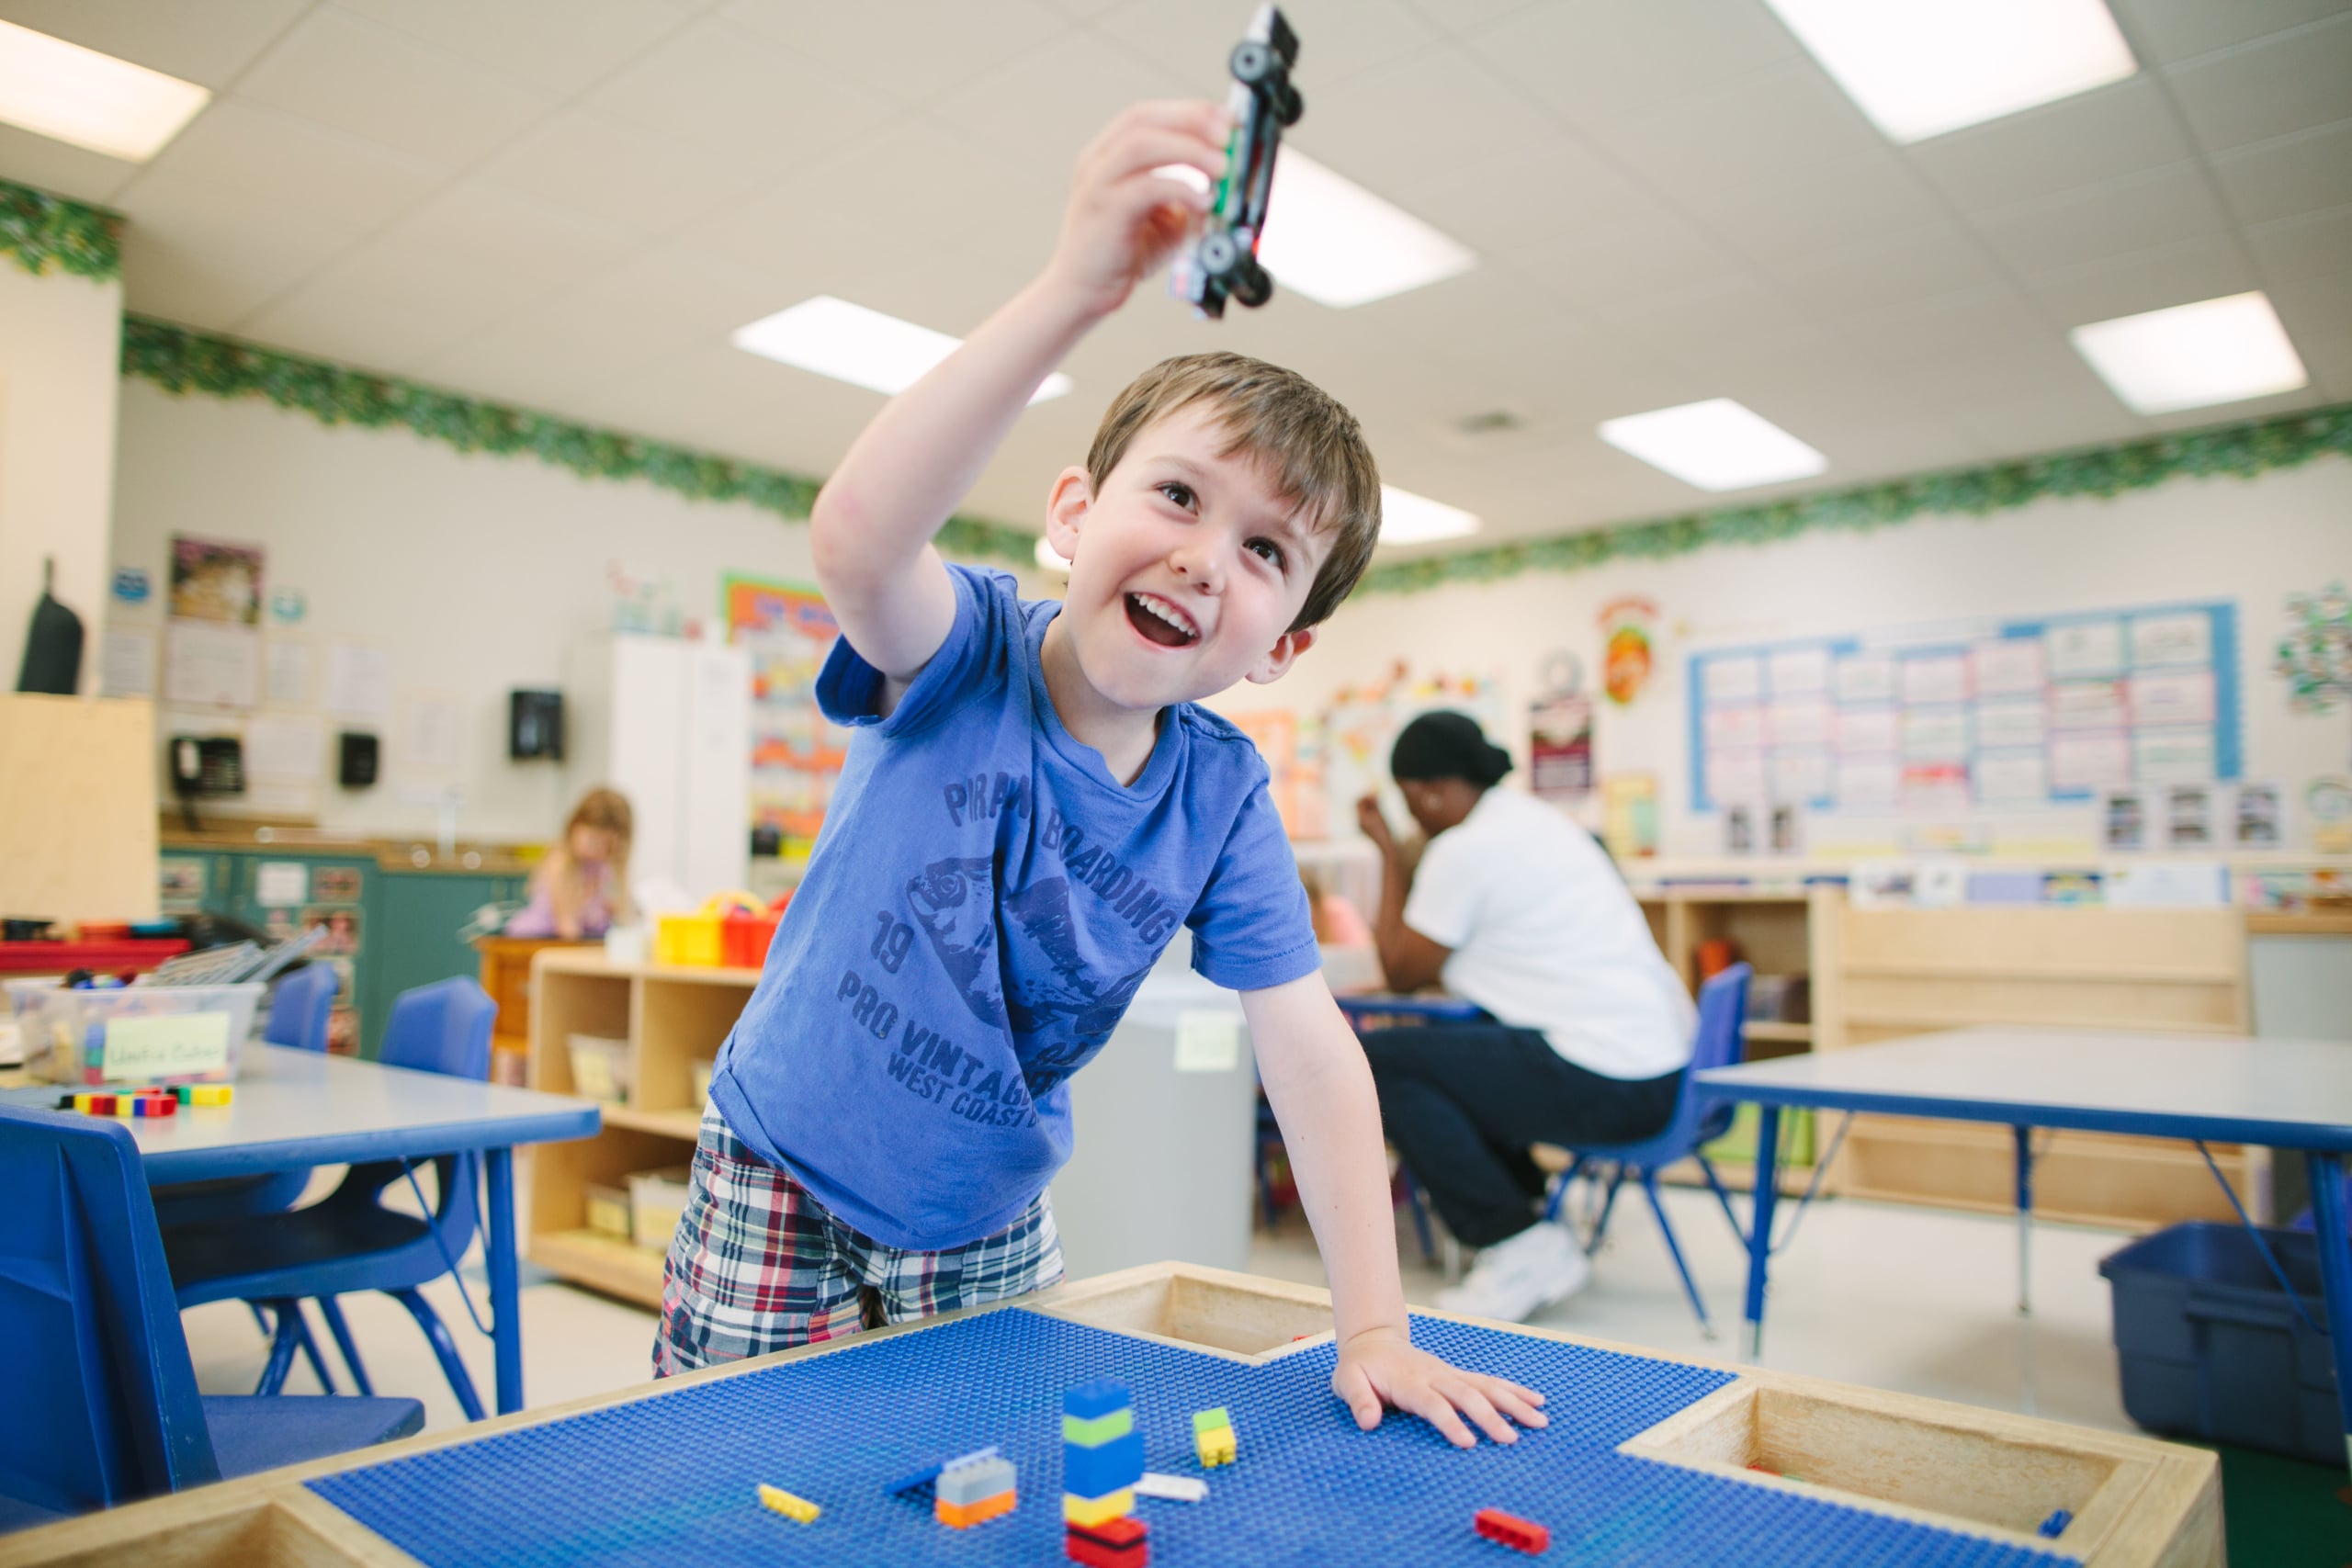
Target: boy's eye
x=1182, y=494
x=1272, y=551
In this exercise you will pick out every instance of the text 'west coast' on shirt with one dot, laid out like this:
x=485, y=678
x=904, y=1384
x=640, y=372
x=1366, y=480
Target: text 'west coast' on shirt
x=981, y=906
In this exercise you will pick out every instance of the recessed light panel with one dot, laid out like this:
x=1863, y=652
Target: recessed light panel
x=1919, y=68
x=866, y=348
x=92, y=100
x=1717, y=445
x=1409, y=519
x=2192, y=357
x=1338, y=244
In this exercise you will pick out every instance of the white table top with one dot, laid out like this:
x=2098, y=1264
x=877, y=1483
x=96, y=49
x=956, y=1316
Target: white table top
x=2285, y=1093
x=295, y=1108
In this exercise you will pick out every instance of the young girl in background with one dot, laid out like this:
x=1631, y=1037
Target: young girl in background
x=582, y=888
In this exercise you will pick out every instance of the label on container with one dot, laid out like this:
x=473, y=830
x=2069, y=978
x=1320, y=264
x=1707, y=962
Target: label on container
x=1207, y=1042
x=165, y=1046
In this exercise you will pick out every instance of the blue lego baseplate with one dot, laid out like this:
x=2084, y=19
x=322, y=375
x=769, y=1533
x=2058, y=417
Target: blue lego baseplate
x=673, y=1478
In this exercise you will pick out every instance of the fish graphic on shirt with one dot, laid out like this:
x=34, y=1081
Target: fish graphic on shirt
x=954, y=904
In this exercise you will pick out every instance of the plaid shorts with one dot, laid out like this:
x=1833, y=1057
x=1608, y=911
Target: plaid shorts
x=758, y=1264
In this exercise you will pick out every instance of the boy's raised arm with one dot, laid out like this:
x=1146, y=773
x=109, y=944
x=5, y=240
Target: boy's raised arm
x=870, y=531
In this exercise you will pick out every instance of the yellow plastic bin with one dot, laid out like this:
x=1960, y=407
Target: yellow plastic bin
x=657, y=1202
x=686, y=940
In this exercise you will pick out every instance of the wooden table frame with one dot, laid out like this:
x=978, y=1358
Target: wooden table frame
x=2142, y=1504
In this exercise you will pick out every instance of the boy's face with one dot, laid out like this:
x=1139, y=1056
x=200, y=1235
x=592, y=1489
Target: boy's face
x=1186, y=570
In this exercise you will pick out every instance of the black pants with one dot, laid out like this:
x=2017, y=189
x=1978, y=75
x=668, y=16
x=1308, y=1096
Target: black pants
x=1462, y=1102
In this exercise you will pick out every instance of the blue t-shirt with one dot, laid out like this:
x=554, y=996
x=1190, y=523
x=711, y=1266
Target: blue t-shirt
x=980, y=908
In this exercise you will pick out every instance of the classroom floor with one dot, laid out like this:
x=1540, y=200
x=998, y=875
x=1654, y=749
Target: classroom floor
x=1919, y=1301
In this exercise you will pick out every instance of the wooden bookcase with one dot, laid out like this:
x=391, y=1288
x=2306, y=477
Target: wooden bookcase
x=672, y=1018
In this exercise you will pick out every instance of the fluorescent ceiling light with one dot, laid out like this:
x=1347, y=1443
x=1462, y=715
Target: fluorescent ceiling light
x=1409, y=519
x=1050, y=559
x=2191, y=357
x=1338, y=244
x=1717, y=445
x=863, y=347
x=1919, y=68
x=92, y=100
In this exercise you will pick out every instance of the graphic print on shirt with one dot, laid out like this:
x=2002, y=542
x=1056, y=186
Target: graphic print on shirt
x=954, y=903
x=1047, y=978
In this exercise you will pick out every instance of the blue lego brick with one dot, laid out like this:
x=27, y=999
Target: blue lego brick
x=1098, y=1398
x=676, y=1476
x=1093, y=1472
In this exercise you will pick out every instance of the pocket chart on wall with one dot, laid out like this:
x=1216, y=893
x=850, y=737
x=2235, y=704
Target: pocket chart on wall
x=2001, y=714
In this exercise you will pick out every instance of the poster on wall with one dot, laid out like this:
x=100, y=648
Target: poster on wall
x=1559, y=748
x=1627, y=626
x=1629, y=815
x=215, y=580
x=1293, y=771
x=796, y=755
x=1359, y=724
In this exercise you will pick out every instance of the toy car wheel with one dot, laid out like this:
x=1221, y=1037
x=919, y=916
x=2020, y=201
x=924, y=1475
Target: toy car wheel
x=1288, y=106
x=1219, y=255
x=1250, y=284
x=1253, y=62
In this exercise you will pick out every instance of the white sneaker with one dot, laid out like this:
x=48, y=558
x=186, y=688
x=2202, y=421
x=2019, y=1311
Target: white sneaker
x=1541, y=1265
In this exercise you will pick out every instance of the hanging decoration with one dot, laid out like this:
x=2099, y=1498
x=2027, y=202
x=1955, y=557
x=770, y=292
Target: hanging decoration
x=1625, y=657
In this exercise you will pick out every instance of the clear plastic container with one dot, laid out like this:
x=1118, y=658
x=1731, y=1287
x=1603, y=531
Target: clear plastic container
x=657, y=1202
x=608, y=1210
x=600, y=1068
x=133, y=1034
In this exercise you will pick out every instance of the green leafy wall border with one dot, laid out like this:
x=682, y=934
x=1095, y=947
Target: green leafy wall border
x=38, y=231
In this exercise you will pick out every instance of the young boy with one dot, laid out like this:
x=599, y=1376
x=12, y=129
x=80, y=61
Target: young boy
x=1032, y=807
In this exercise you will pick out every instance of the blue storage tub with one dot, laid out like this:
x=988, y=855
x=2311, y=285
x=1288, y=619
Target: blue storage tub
x=2210, y=1348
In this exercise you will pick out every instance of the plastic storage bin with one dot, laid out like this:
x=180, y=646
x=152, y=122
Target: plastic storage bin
x=607, y=1210
x=686, y=940
x=2210, y=1348
x=743, y=939
x=600, y=1068
x=657, y=1202
x=701, y=1071
x=133, y=1034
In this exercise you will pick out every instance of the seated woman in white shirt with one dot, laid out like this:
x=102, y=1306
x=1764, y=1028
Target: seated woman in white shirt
x=1514, y=908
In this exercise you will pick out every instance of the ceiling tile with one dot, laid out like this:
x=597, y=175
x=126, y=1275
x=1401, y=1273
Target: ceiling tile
x=2316, y=306
x=2021, y=421
x=2179, y=29
x=60, y=169
x=2328, y=357
x=1850, y=201
x=374, y=83
x=1911, y=338
x=1523, y=190
x=2249, y=408
x=205, y=41
x=2156, y=279
x=1621, y=266
x=727, y=89
x=302, y=164
x=1921, y=264
x=2312, y=245
x=933, y=46
x=391, y=304
x=1763, y=131
x=2285, y=83
x=681, y=292
x=2122, y=128
x=1049, y=104
x=499, y=235
x=595, y=165
x=2294, y=174
x=562, y=47
x=1466, y=15
x=2159, y=207
x=1337, y=39
x=914, y=185
x=1591, y=64
x=207, y=255
x=798, y=253
x=1403, y=130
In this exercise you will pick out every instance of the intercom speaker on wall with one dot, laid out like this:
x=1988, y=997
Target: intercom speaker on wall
x=356, y=758
x=535, y=725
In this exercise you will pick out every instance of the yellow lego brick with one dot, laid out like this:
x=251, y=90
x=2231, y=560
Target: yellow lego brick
x=212, y=1094
x=784, y=1502
x=1094, y=1510
x=1216, y=1448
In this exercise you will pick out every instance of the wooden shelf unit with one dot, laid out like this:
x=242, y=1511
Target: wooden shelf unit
x=672, y=1017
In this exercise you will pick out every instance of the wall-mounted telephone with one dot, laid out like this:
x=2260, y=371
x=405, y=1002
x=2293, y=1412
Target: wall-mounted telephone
x=207, y=764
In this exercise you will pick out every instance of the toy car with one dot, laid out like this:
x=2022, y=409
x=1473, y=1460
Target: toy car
x=1223, y=261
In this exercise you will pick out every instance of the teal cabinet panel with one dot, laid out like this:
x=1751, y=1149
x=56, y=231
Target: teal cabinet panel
x=415, y=941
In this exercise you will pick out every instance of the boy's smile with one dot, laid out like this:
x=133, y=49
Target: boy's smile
x=1186, y=573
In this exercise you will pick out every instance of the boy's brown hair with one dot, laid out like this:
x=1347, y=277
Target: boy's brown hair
x=1313, y=447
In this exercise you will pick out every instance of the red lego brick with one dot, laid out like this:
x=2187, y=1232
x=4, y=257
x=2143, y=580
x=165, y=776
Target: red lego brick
x=1121, y=1542
x=1511, y=1530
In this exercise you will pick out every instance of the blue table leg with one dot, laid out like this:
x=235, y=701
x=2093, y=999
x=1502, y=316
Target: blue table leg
x=1759, y=1221
x=505, y=1317
x=2024, y=1136
x=2328, y=1222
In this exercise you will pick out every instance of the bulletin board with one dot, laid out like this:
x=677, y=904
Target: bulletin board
x=1997, y=715
x=795, y=753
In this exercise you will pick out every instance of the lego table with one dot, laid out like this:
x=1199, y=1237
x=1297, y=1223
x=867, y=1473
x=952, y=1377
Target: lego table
x=1647, y=1460
x=296, y=1109
x=2285, y=1094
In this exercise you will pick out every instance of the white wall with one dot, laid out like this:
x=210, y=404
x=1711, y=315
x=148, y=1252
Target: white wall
x=2252, y=542
x=61, y=343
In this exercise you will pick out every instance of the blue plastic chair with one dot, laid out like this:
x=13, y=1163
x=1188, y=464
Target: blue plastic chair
x=1723, y=1016
x=103, y=1407
x=298, y=1017
x=349, y=1241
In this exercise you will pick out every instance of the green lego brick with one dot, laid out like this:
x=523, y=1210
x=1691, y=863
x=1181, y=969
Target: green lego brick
x=1206, y=1421
x=1101, y=1429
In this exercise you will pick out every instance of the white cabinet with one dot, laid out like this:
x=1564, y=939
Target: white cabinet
x=679, y=745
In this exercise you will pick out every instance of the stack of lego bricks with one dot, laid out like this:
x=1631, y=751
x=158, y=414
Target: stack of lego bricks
x=1101, y=1462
